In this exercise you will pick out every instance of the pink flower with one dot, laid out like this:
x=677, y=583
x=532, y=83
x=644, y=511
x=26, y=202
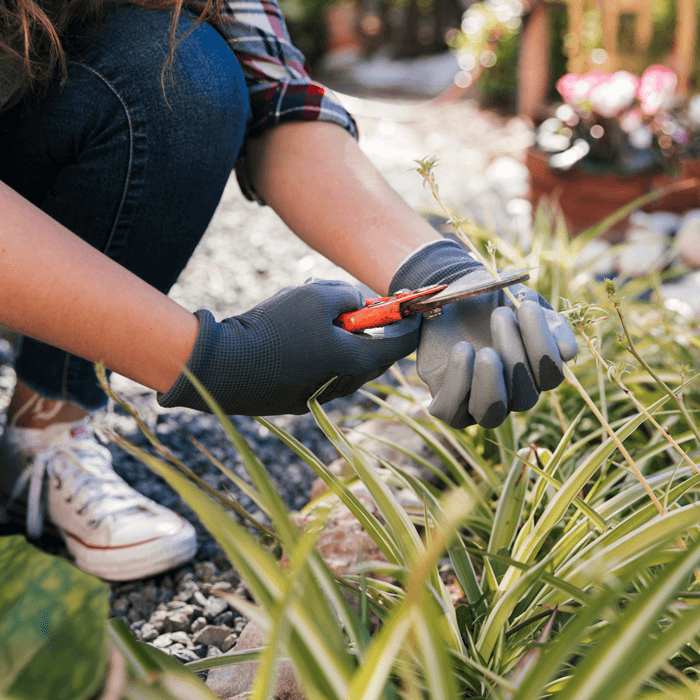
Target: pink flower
x=597, y=77
x=609, y=98
x=575, y=89
x=566, y=85
x=658, y=83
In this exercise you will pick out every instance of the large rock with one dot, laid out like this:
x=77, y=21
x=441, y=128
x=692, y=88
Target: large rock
x=235, y=680
x=344, y=542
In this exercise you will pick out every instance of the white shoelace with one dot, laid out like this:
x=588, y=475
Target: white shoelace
x=82, y=468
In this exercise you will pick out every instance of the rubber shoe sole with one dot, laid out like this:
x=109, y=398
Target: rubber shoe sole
x=121, y=563
x=134, y=561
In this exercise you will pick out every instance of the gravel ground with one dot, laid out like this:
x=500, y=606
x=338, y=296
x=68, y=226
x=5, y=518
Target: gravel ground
x=246, y=256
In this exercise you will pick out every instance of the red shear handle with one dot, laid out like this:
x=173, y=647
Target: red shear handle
x=385, y=310
x=374, y=314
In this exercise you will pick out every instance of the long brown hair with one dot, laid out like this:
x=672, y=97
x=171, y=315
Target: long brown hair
x=36, y=34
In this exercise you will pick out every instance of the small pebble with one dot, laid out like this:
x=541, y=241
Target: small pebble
x=199, y=598
x=205, y=571
x=215, y=606
x=183, y=576
x=148, y=632
x=157, y=619
x=240, y=623
x=181, y=638
x=211, y=635
x=164, y=640
x=228, y=643
x=226, y=618
x=198, y=624
x=184, y=655
x=222, y=586
x=180, y=619
x=120, y=605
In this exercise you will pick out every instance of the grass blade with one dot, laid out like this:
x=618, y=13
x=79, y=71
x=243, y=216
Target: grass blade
x=623, y=658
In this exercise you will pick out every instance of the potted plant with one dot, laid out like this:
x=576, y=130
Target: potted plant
x=614, y=138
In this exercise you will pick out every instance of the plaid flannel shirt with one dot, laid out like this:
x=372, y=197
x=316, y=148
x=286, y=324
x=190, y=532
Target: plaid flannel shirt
x=276, y=73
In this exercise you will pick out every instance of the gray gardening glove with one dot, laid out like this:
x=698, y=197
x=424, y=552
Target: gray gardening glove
x=272, y=359
x=483, y=358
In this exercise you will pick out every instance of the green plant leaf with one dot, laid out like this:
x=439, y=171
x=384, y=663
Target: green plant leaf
x=379, y=534
x=565, y=496
x=618, y=554
x=510, y=507
x=499, y=615
x=545, y=476
x=631, y=649
x=400, y=527
x=53, y=618
x=460, y=475
x=464, y=571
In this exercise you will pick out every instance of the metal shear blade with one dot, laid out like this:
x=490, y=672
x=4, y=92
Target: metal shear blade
x=465, y=290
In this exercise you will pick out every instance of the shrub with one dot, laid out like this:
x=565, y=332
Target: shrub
x=571, y=529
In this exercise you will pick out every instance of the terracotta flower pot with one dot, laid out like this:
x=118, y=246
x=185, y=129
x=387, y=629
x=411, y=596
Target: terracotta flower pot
x=587, y=199
x=683, y=200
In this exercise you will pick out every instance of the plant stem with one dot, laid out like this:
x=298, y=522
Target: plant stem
x=560, y=413
x=430, y=179
x=636, y=401
x=601, y=384
x=678, y=398
x=568, y=374
x=426, y=172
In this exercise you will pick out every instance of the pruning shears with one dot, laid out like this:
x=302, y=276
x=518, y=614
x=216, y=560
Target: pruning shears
x=428, y=301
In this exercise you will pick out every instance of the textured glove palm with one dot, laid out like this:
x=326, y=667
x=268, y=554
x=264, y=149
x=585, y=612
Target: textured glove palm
x=483, y=358
x=272, y=359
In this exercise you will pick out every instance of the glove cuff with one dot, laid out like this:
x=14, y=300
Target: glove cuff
x=183, y=392
x=440, y=262
x=237, y=362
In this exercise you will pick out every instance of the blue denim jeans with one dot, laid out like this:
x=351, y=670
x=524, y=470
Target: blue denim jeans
x=133, y=165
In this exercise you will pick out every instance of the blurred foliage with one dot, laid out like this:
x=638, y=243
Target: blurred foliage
x=306, y=26
x=497, y=84
x=305, y=21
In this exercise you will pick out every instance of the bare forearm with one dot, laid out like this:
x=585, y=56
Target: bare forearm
x=56, y=288
x=315, y=176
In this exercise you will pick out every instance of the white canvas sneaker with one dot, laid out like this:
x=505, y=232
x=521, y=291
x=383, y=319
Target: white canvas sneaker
x=111, y=530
